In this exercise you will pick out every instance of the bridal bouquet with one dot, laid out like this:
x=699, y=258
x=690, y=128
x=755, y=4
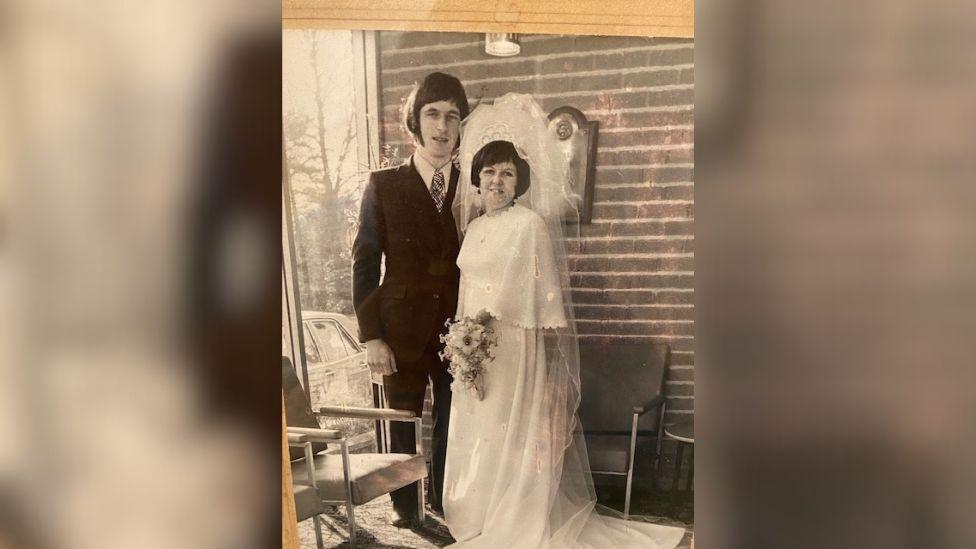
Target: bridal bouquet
x=469, y=345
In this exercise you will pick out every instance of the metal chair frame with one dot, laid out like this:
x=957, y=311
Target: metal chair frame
x=657, y=402
x=305, y=436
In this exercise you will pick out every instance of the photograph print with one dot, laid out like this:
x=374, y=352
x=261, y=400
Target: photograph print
x=488, y=288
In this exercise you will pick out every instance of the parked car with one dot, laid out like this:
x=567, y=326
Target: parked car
x=337, y=371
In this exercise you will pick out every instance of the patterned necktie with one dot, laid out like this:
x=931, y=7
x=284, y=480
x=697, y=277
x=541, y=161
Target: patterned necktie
x=437, y=189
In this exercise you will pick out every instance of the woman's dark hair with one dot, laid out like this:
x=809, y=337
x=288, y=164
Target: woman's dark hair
x=494, y=153
x=437, y=86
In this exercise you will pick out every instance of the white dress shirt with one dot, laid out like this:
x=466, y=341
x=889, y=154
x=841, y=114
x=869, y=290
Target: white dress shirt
x=426, y=170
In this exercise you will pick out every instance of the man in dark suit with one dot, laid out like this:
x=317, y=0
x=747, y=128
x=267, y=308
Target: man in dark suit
x=406, y=218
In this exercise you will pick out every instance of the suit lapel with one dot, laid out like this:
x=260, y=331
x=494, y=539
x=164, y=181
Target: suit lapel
x=420, y=205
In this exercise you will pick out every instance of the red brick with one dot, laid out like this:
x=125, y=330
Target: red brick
x=391, y=58
x=676, y=56
x=639, y=137
x=681, y=156
x=491, y=68
x=671, y=155
x=605, y=246
x=630, y=264
x=633, y=313
x=652, y=296
x=595, y=230
x=681, y=375
x=639, y=228
x=625, y=157
x=661, y=174
x=651, y=228
x=634, y=328
x=580, y=83
x=630, y=245
x=644, y=192
x=638, y=264
x=664, y=246
x=677, y=404
x=658, y=78
x=581, y=63
x=615, y=211
x=633, y=281
x=588, y=264
x=391, y=40
x=641, y=211
x=679, y=227
x=490, y=90
x=560, y=44
x=643, y=119
x=673, y=390
x=632, y=297
x=676, y=344
x=666, y=210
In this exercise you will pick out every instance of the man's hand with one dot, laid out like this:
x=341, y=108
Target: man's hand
x=379, y=358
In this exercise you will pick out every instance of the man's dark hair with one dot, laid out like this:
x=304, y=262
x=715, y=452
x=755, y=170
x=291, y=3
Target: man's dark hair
x=437, y=86
x=495, y=153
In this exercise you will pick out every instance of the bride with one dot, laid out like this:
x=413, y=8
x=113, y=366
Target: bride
x=517, y=475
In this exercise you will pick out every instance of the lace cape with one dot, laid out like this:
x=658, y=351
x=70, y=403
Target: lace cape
x=509, y=270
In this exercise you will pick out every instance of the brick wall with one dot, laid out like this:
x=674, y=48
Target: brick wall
x=633, y=266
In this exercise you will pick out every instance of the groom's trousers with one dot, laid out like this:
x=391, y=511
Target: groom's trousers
x=405, y=390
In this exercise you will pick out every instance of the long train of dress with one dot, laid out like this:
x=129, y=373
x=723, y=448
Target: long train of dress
x=500, y=491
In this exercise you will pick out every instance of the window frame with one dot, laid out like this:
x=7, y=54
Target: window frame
x=367, y=101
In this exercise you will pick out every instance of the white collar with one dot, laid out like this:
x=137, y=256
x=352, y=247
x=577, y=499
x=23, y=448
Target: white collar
x=426, y=169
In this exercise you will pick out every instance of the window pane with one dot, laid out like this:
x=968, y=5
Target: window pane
x=351, y=347
x=311, y=350
x=326, y=175
x=332, y=345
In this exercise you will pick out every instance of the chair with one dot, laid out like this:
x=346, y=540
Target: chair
x=343, y=478
x=622, y=399
x=308, y=504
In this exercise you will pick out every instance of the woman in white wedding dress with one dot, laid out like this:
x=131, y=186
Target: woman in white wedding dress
x=516, y=474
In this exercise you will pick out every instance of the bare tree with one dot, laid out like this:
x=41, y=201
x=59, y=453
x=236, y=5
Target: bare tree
x=322, y=192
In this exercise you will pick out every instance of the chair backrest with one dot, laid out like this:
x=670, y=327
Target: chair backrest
x=615, y=377
x=298, y=410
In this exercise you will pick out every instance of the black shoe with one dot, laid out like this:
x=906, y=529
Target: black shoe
x=400, y=520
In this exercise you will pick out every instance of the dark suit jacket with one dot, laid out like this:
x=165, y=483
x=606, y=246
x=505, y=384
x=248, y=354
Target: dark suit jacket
x=420, y=285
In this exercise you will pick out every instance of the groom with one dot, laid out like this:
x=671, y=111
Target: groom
x=406, y=218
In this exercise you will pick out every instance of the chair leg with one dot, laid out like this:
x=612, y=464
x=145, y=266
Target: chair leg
x=679, y=457
x=347, y=478
x=352, y=524
x=421, y=511
x=318, y=531
x=630, y=465
x=660, y=438
x=418, y=429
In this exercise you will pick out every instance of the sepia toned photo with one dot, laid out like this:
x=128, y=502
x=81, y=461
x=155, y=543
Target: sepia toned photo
x=488, y=288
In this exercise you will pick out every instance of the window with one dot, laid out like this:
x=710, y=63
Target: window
x=328, y=96
x=311, y=350
x=332, y=344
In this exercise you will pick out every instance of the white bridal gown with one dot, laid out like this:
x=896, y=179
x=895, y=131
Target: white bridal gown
x=503, y=488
